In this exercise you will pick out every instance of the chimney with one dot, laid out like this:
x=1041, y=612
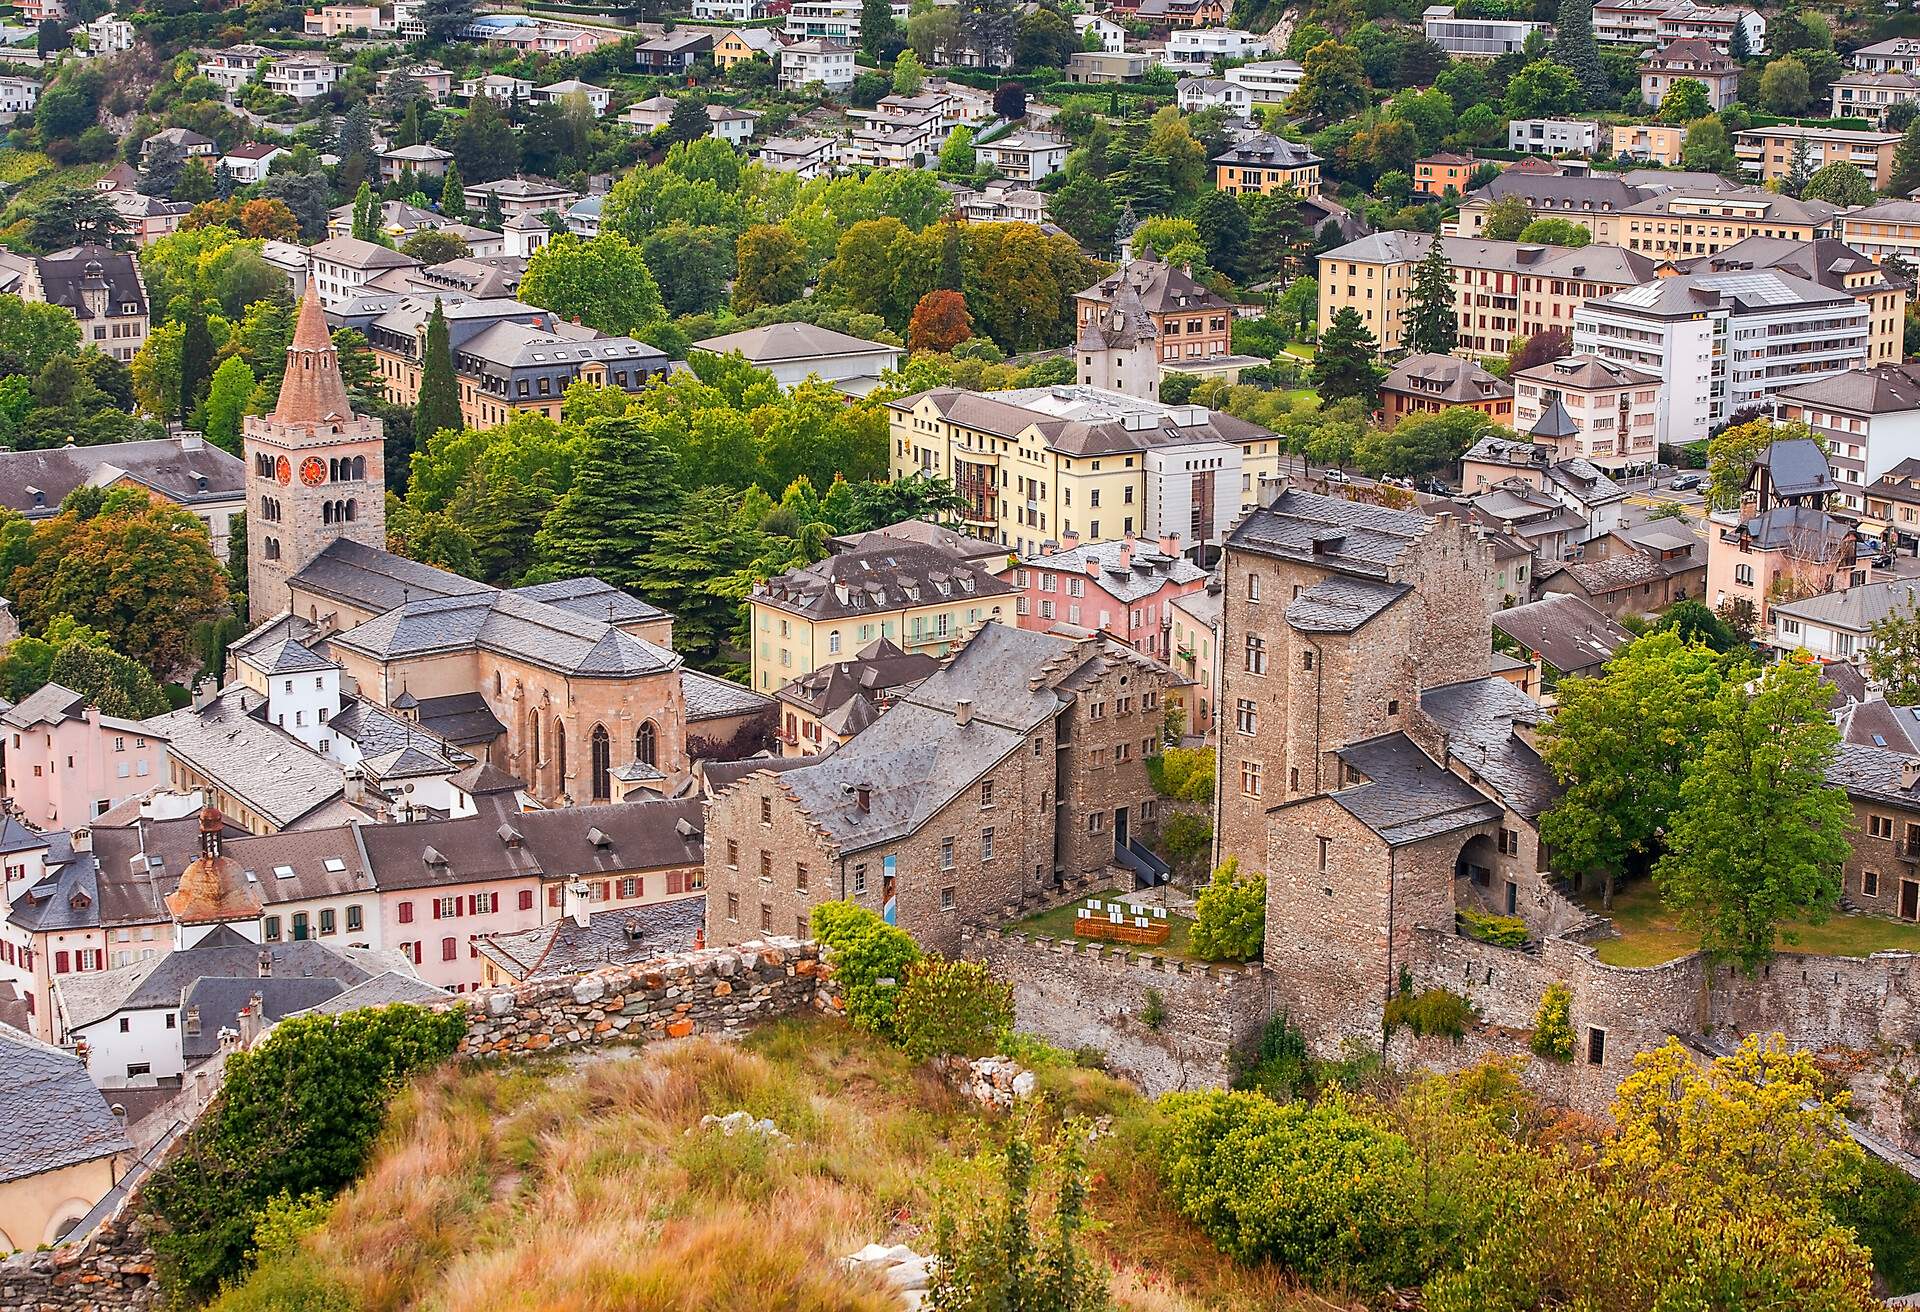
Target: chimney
x=699, y=936
x=251, y=1021
x=203, y=693
x=192, y=441
x=266, y=964
x=192, y=1023
x=1093, y=567
x=863, y=797
x=577, y=898
x=1048, y=547
x=1909, y=774
x=356, y=786
x=1126, y=553
x=1170, y=544
x=963, y=712
x=1071, y=538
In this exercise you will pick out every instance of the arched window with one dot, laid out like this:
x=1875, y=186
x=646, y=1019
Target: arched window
x=646, y=744
x=560, y=749
x=536, y=739
x=833, y=643
x=353, y=509
x=271, y=548
x=326, y=512
x=602, y=748
x=360, y=467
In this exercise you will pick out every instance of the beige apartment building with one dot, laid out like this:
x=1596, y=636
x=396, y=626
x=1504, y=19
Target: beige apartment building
x=1036, y=464
x=1891, y=227
x=1502, y=289
x=1585, y=406
x=1656, y=143
x=1685, y=223
x=1768, y=152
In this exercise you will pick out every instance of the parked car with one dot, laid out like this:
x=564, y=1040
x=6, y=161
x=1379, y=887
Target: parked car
x=1687, y=482
x=1335, y=476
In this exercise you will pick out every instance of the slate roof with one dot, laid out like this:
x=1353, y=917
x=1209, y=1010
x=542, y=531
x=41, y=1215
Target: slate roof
x=839, y=689
x=619, y=937
x=1883, y=389
x=1569, y=634
x=1796, y=467
x=377, y=731
x=653, y=834
x=710, y=698
x=1874, y=722
x=482, y=779
x=274, y=774
x=56, y=1117
x=381, y=990
x=65, y=897
x=1342, y=605
x=358, y=254
x=288, y=656
x=1872, y=773
x=886, y=575
x=917, y=757
x=1267, y=151
x=1808, y=531
x=964, y=545
x=1825, y=260
x=377, y=580
x=1480, y=718
x=65, y=277
x=163, y=465
x=1161, y=287
x=1408, y=796
x=1445, y=378
x=1147, y=572
x=1856, y=609
x=463, y=718
x=16, y=837
x=507, y=622
x=593, y=599
x=1077, y=420
x=222, y=999
x=779, y=343
x=163, y=981
x=722, y=775
x=1346, y=536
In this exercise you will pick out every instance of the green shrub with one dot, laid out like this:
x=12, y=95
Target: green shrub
x=1314, y=1189
x=870, y=960
x=295, y=1120
x=1553, y=1023
x=1230, y=918
x=952, y=1008
x=1153, y=1012
x=1185, y=836
x=1429, y=1013
x=996, y=1256
x=1279, y=1066
x=1501, y=931
x=1185, y=773
x=1884, y=1211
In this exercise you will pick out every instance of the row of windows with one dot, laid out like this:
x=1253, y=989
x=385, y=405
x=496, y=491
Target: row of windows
x=303, y=926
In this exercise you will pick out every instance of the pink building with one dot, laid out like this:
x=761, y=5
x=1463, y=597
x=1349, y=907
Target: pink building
x=1123, y=588
x=66, y=763
x=1781, y=545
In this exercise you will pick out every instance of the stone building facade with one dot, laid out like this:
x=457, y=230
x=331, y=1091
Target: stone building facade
x=316, y=471
x=1003, y=781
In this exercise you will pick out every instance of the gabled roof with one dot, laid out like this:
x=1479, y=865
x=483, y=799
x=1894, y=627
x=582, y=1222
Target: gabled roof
x=168, y=466
x=1446, y=378
x=621, y=937
x=886, y=576
x=1883, y=389
x=1481, y=720
x=780, y=343
x=1349, y=537
x=56, y=1117
x=1408, y=796
x=1796, y=467
x=1568, y=634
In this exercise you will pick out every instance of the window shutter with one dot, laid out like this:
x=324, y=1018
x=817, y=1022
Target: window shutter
x=60, y=963
x=436, y=908
x=406, y=913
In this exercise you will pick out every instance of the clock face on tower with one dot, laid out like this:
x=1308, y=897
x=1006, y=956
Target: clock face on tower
x=283, y=471
x=313, y=471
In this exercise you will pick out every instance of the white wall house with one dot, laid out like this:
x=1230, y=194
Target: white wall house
x=1269, y=81
x=1552, y=136
x=1193, y=49
x=1113, y=37
x=1476, y=38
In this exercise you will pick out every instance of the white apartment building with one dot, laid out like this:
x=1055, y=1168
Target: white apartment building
x=1714, y=22
x=832, y=20
x=1269, y=81
x=1197, y=93
x=1629, y=22
x=339, y=266
x=1869, y=420
x=1724, y=342
x=18, y=96
x=1193, y=49
x=1595, y=409
x=559, y=93
x=1476, y=38
x=1552, y=136
x=823, y=60
x=730, y=11
x=1900, y=55
x=108, y=34
x=805, y=157
x=232, y=68
x=1113, y=37
x=1871, y=95
x=498, y=87
x=303, y=76
x=1025, y=156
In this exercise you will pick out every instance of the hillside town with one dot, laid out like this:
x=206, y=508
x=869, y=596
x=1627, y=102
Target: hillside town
x=1296, y=623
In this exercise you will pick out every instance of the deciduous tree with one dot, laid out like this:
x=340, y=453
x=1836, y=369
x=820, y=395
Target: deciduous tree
x=1685, y=101
x=771, y=267
x=1839, y=183
x=602, y=281
x=940, y=322
x=1332, y=85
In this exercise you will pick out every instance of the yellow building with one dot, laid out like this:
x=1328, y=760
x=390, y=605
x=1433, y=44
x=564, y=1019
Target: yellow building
x=1501, y=289
x=742, y=45
x=1768, y=152
x=65, y=1146
x=922, y=598
x=1686, y=222
x=1891, y=227
x=1656, y=143
x=1040, y=463
x=1264, y=164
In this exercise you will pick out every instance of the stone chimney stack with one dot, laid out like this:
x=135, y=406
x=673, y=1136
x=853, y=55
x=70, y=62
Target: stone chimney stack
x=266, y=964
x=863, y=797
x=1170, y=544
x=578, y=897
x=963, y=712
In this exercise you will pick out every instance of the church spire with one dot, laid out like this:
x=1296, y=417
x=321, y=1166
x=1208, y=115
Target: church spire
x=312, y=391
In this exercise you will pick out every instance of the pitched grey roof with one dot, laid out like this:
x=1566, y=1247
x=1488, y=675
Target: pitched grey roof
x=1872, y=772
x=593, y=599
x=1446, y=378
x=710, y=698
x=55, y=1116
x=1857, y=609
x=620, y=937
x=66, y=897
x=782, y=342
x=881, y=668
x=1587, y=372
x=381, y=990
x=1796, y=467
x=1160, y=287
x=1479, y=717
x=1883, y=389
x=1267, y=151
x=288, y=657
x=885, y=575
x=1569, y=634
x=653, y=834
x=463, y=718
x=1810, y=532
x=274, y=774
x=1408, y=795
x=50, y=703
x=1348, y=536
x=377, y=580
x=166, y=465
x=1147, y=570
x=66, y=276
x=508, y=622
x=1076, y=420
x=1341, y=605
x=221, y=999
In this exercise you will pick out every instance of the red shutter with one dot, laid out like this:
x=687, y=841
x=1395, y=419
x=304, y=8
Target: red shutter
x=406, y=913
x=553, y=895
x=526, y=899
x=449, y=949
x=606, y=890
x=59, y=963
x=473, y=904
x=436, y=908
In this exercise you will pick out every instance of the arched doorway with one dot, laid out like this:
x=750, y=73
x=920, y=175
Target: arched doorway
x=602, y=759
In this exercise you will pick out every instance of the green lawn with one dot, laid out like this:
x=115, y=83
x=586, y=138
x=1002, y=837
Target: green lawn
x=1058, y=923
x=1303, y=350
x=1650, y=936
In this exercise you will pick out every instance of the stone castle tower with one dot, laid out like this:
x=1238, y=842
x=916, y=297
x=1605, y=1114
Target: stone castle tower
x=315, y=469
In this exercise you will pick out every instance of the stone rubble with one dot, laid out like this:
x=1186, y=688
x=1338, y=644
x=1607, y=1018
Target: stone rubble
x=908, y=1272
x=993, y=1082
x=742, y=1123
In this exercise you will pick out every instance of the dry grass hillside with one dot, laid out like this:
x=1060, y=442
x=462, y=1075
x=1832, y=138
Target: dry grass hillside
x=588, y=1187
